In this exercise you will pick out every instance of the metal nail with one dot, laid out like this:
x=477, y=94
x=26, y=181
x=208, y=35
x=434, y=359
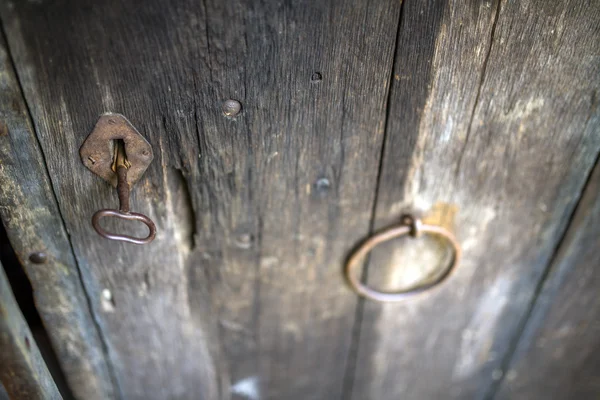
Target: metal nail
x=231, y=108
x=38, y=257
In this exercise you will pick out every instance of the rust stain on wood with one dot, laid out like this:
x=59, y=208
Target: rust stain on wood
x=442, y=214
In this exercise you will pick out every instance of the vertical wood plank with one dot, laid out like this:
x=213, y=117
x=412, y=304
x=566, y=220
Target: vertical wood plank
x=558, y=355
x=33, y=223
x=23, y=372
x=500, y=145
x=241, y=293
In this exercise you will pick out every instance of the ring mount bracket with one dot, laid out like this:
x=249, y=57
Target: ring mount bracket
x=413, y=227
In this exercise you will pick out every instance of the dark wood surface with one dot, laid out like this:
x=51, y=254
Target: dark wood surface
x=558, y=355
x=33, y=223
x=23, y=373
x=241, y=293
x=495, y=140
x=484, y=117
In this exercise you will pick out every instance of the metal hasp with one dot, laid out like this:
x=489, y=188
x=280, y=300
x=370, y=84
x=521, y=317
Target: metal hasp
x=119, y=154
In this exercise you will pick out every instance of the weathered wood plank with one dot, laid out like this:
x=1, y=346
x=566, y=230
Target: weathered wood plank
x=500, y=146
x=558, y=355
x=23, y=373
x=241, y=292
x=3, y=394
x=33, y=224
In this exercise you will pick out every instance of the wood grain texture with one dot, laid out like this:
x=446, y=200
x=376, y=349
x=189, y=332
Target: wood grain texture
x=3, y=394
x=558, y=355
x=23, y=373
x=30, y=214
x=241, y=293
x=501, y=145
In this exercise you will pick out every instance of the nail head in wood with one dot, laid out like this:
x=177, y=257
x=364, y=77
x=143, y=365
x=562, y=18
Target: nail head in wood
x=38, y=257
x=231, y=108
x=244, y=241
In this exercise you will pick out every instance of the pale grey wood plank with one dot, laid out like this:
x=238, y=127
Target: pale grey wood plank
x=33, y=223
x=23, y=372
x=500, y=148
x=558, y=355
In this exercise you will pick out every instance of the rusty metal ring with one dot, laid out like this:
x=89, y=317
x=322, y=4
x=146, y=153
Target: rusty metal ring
x=412, y=227
x=129, y=216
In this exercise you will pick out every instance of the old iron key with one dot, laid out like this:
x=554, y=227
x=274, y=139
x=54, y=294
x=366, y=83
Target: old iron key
x=115, y=147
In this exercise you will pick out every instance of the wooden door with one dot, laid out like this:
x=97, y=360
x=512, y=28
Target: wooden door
x=480, y=116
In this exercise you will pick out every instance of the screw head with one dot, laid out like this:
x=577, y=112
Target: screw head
x=321, y=187
x=38, y=257
x=231, y=108
x=244, y=241
x=322, y=184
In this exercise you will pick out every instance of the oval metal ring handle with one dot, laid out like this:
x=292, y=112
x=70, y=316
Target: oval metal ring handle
x=131, y=216
x=413, y=227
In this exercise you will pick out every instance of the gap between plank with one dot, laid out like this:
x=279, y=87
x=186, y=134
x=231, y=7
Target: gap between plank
x=514, y=343
x=352, y=359
x=481, y=79
x=23, y=294
x=109, y=366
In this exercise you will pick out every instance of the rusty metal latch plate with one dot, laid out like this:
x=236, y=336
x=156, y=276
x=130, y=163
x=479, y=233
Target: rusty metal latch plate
x=98, y=150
